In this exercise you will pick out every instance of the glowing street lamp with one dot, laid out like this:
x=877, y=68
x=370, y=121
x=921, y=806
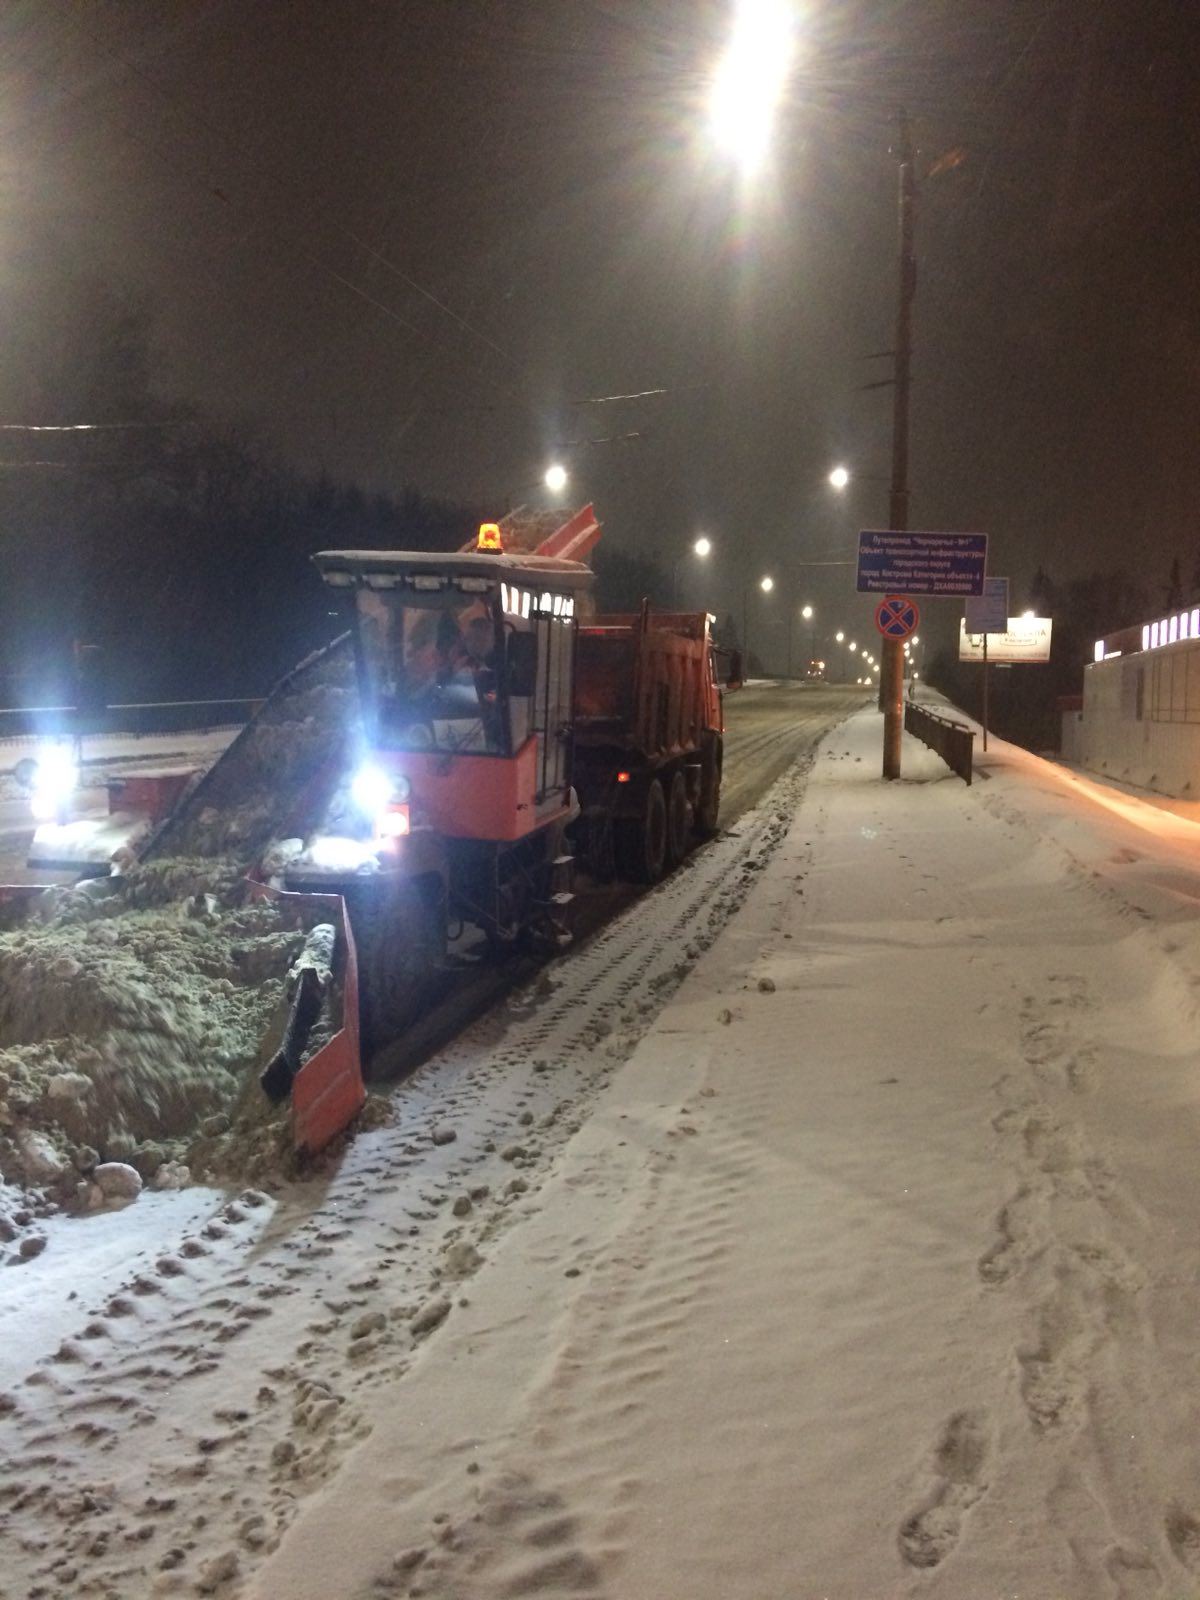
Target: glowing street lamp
x=766, y=584
x=808, y=613
x=556, y=478
x=853, y=646
x=750, y=79
x=839, y=636
x=839, y=478
x=701, y=547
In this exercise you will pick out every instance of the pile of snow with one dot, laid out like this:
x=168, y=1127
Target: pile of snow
x=137, y=1011
x=133, y=1012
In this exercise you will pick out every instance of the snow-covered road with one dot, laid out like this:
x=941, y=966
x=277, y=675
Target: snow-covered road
x=224, y=1367
x=872, y=1270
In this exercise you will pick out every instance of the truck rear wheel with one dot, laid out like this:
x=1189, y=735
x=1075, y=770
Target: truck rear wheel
x=679, y=820
x=709, y=809
x=642, y=841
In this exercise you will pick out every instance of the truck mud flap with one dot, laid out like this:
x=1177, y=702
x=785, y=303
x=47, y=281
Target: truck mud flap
x=328, y=1091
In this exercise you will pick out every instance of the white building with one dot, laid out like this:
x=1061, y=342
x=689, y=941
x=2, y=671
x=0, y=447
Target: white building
x=1140, y=721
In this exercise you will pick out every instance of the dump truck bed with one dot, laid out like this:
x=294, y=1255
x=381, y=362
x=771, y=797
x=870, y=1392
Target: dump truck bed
x=645, y=684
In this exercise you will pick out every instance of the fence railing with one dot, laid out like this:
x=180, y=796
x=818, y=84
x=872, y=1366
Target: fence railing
x=954, y=743
x=161, y=716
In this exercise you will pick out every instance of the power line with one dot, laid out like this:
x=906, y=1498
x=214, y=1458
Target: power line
x=640, y=394
x=72, y=427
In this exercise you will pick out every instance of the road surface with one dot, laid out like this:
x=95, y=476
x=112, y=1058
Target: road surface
x=126, y=1321
x=770, y=725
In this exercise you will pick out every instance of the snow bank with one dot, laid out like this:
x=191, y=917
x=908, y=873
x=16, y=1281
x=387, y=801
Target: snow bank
x=128, y=1018
x=135, y=1011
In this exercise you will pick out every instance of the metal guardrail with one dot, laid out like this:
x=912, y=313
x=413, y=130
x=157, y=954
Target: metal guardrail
x=951, y=740
x=161, y=716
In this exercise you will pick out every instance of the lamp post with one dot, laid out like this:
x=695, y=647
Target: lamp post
x=766, y=584
x=701, y=547
x=809, y=615
x=747, y=87
x=553, y=480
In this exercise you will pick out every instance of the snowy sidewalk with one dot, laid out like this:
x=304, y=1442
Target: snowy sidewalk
x=876, y=1271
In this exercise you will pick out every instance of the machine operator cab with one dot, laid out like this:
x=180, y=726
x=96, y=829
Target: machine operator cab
x=466, y=665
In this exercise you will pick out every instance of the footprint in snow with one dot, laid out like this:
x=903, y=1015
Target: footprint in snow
x=928, y=1536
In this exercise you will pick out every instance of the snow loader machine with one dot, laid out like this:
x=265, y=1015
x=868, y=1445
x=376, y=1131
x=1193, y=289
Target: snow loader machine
x=507, y=729
x=456, y=815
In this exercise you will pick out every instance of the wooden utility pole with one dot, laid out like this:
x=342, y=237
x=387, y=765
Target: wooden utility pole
x=891, y=679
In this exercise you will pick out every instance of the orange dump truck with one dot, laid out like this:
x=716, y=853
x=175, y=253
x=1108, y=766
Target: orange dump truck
x=648, y=734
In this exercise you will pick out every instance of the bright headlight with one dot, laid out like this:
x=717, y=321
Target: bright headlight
x=54, y=782
x=371, y=789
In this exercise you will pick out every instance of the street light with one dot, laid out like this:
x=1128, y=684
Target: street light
x=556, y=478
x=839, y=478
x=809, y=614
x=839, y=636
x=701, y=547
x=750, y=79
x=853, y=646
x=766, y=585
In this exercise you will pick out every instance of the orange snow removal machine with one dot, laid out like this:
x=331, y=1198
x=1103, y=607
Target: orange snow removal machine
x=509, y=732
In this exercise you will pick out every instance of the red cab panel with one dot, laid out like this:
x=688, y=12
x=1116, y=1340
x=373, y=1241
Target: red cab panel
x=468, y=796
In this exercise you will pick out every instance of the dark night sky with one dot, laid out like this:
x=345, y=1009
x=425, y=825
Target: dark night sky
x=281, y=175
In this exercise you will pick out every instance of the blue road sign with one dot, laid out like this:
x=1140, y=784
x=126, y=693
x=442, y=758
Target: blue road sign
x=897, y=617
x=989, y=613
x=948, y=564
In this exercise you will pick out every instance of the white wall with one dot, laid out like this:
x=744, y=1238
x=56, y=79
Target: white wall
x=1137, y=719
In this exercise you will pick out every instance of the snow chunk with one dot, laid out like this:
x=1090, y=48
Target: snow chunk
x=117, y=1181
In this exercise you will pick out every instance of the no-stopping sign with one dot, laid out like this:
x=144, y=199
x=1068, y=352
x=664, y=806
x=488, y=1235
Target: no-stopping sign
x=896, y=617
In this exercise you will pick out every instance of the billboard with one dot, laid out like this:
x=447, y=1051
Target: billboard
x=1027, y=639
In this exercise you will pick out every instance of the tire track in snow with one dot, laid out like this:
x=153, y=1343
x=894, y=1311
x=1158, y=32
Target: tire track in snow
x=166, y=1444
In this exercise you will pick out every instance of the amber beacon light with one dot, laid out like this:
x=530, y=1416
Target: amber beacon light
x=489, y=538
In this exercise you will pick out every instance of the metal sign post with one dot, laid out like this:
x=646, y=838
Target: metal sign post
x=988, y=613
x=985, y=692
